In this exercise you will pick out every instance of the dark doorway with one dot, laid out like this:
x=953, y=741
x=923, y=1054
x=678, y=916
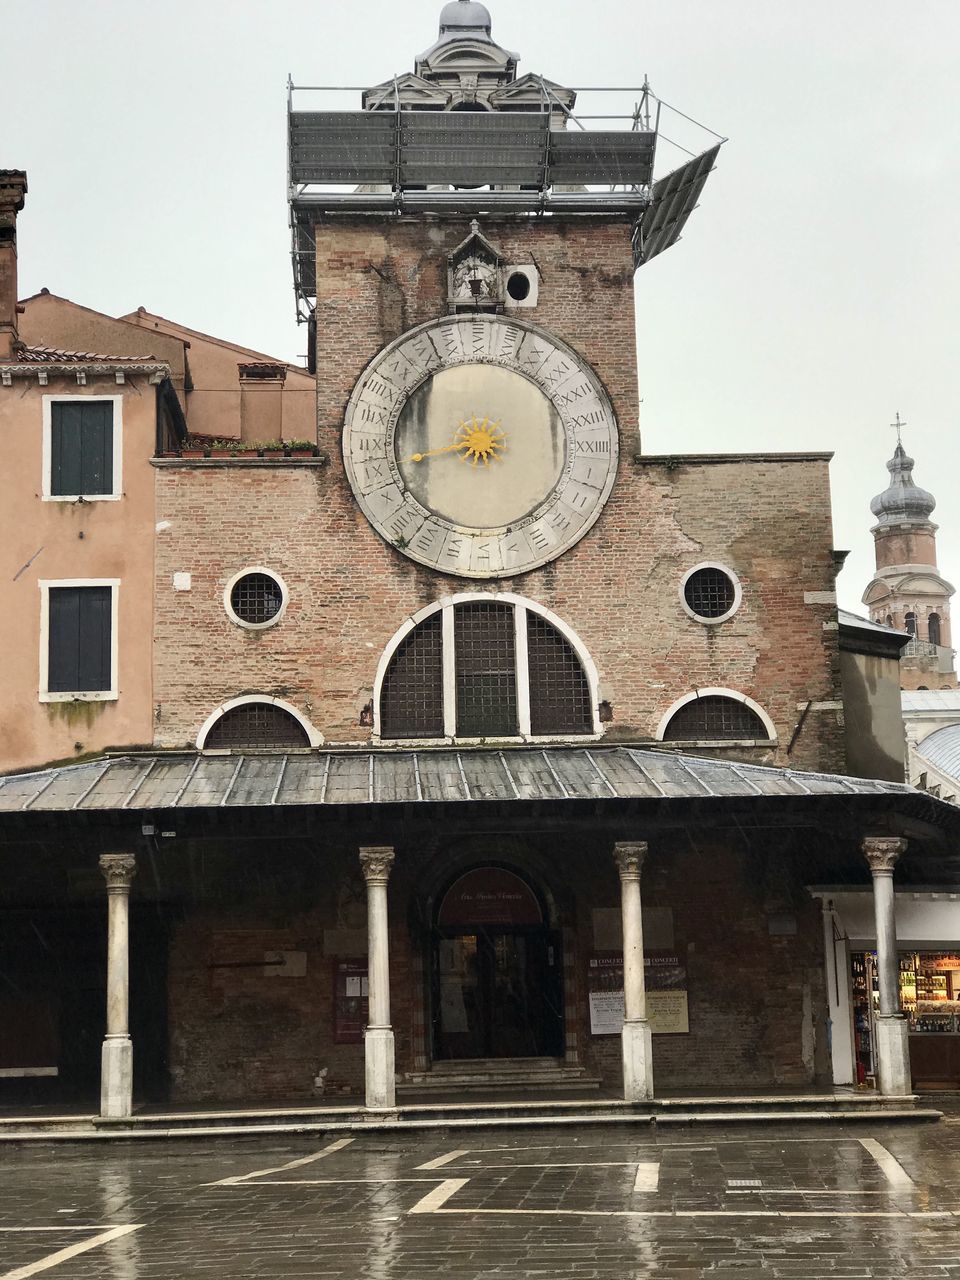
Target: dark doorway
x=496, y=970
x=53, y=1001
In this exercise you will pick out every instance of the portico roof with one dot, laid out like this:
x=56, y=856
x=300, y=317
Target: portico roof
x=432, y=775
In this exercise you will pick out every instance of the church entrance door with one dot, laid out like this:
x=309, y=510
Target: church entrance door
x=497, y=984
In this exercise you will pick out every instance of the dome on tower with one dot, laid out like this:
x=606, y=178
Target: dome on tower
x=902, y=502
x=464, y=17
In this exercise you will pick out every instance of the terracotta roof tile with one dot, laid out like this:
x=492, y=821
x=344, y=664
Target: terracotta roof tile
x=54, y=355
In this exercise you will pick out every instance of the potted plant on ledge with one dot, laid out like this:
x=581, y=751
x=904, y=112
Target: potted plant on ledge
x=301, y=449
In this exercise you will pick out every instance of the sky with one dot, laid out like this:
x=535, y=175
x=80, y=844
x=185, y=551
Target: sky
x=815, y=292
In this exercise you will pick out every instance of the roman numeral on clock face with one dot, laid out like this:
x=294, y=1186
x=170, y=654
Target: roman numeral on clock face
x=480, y=447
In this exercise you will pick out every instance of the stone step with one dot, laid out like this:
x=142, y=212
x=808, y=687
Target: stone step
x=394, y=1122
x=528, y=1082
x=455, y=1066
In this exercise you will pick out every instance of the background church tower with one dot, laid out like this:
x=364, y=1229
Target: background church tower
x=907, y=591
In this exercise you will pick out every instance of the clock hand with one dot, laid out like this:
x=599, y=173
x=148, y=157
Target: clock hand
x=431, y=453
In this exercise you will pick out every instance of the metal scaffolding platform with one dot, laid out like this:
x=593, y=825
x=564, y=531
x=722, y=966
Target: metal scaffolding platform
x=538, y=161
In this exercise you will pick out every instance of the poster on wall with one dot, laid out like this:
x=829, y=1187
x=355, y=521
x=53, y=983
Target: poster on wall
x=349, y=1001
x=666, y=985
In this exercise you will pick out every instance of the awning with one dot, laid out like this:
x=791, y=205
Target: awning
x=433, y=776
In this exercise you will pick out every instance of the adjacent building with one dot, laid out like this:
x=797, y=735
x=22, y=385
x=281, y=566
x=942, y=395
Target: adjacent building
x=908, y=592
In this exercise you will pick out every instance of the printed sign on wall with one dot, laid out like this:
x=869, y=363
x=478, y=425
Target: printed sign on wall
x=666, y=985
x=349, y=1001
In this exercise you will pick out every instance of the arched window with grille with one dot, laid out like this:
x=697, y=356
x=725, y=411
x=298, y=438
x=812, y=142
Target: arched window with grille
x=716, y=716
x=933, y=628
x=256, y=724
x=485, y=666
x=910, y=623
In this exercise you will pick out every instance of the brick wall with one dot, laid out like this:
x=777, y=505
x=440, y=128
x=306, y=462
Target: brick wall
x=618, y=588
x=768, y=519
x=749, y=934
x=376, y=281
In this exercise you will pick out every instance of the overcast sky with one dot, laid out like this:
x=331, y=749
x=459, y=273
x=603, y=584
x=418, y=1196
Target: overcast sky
x=815, y=292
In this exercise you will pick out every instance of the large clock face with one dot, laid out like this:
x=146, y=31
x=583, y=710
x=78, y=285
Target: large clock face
x=480, y=446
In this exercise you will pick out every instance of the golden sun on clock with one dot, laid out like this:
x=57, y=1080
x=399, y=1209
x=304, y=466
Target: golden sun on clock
x=480, y=446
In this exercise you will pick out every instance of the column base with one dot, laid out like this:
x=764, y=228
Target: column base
x=116, y=1078
x=379, y=1068
x=637, y=1043
x=893, y=1054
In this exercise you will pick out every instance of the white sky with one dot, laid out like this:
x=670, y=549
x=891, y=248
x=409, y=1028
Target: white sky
x=815, y=291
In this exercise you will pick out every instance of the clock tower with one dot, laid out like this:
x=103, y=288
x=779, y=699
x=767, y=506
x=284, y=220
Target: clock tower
x=464, y=254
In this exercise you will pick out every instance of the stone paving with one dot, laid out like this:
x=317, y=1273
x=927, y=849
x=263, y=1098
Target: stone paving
x=617, y=1203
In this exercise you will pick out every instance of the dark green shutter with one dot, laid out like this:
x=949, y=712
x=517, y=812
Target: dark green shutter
x=80, y=625
x=81, y=447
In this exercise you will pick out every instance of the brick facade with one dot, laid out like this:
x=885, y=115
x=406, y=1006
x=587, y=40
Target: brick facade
x=750, y=937
x=766, y=518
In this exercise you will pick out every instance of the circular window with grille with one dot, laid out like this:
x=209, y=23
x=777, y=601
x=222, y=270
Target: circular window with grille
x=710, y=593
x=255, y=598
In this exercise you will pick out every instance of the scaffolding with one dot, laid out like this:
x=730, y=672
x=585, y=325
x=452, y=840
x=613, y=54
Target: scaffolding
x=539, y=160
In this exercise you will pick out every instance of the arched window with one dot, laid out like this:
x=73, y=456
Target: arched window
x=254, y=726
x=485, y=666
x=933, y=628
x=910, y=623
x=889, y=620
x=714, y=718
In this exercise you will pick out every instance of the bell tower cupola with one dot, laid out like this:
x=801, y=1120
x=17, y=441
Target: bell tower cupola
x=907, y=590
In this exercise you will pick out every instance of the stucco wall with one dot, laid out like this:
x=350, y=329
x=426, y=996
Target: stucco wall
x=57, y=540
x=873, y=722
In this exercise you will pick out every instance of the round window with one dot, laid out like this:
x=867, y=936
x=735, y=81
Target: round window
x=518, y=286
x=256, y=598
x=710, y=593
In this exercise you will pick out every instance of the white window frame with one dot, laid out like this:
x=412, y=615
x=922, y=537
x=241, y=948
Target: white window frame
x=737, y=592
x=47, y=480
x=315, y=738
x=255, y=626
x=81, y=695
x=521, y=606
x=735, y=696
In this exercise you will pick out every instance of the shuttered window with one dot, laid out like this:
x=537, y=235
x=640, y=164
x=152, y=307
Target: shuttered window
x=81, y=447
x=80, y=621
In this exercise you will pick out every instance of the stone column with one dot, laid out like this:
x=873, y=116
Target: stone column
x=892, y=1044
x=116, y=1061
x=636, y=1040
x=378, y=1046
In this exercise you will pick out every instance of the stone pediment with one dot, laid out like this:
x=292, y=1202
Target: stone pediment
x=464, y=55
x=412, y=91
x=531, y=90
x=912, y=582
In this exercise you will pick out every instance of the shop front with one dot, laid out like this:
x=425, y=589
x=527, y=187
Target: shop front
x=928, y=929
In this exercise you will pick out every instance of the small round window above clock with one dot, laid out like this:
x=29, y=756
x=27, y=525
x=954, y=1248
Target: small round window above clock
x=480, y=446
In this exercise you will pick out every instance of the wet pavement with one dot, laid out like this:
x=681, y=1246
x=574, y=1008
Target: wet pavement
x=611, y=1203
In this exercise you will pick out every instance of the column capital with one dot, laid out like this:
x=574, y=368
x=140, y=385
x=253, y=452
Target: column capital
x=629, y=856
x=376, y=862
x=882, y=853
x=118, y=871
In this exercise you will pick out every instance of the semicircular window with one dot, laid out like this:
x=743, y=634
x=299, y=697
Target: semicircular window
x=256, y=726
x=493, y=645
x=713, y=719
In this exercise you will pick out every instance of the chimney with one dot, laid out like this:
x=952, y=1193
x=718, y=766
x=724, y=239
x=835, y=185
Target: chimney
x=13, y=188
